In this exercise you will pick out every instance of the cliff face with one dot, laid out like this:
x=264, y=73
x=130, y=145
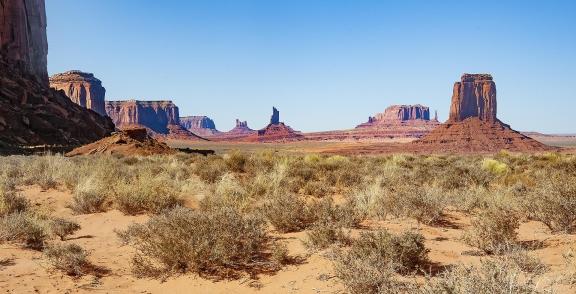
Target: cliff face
x=82, y=88
x=199, y=125
x=474, y=96
x=155, y=115
x=23, y=35
x=404, y=113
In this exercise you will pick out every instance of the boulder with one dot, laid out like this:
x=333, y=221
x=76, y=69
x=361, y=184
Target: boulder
x=82, y=88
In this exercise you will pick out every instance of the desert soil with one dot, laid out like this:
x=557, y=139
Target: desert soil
x=28, y=272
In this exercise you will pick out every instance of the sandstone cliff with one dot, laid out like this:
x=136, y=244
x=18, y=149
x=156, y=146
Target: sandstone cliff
x=23, y=35
x=474, y=96
x=82, y=88
x=473, y=125
x=397, y=114
x=199, y=125
x=275, y=118
x=155, y=115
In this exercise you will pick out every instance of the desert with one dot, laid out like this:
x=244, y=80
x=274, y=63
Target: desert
x=140, y=173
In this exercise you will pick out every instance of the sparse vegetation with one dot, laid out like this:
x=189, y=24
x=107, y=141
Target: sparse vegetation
x=493, y=230
x=23, y=228
x=70, y=259
x=61, y=227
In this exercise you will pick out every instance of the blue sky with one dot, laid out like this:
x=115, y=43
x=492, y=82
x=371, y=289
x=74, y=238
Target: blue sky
x=326, y=64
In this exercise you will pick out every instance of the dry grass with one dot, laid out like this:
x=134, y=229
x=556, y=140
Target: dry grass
x=62, y=228
x=70, y=259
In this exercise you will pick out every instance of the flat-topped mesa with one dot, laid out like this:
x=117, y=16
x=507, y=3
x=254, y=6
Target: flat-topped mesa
x=199, y=124
x=404, y=113
x=155, y=115
x=275, y=118
x=23, y=35
x=474, y=96
x=82, y=88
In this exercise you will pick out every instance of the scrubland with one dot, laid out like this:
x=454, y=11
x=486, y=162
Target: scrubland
x=245, y=222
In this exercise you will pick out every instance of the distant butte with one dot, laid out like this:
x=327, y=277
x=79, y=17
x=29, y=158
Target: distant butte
x=82, y=88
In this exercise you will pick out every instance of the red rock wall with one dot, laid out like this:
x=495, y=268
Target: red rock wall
x=23, y=34
x=155, y=115
x=404, y=112
x=474, y=96
x=82, y=88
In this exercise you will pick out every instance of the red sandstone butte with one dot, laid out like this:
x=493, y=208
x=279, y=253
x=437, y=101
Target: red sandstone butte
x=200, y=125
x=473, y=125
x=276, y=131
x=82, y=88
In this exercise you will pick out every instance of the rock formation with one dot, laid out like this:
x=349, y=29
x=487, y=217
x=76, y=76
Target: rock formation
x=23, y=35
x=82, y=88
x=240, y=131
x=155, y=115
x=474, y=96
x=199, y=125
x=33, y=116
x=275, y=118
x=400, y=114
x=135, y=141
x=276, y=131
x=473, y=125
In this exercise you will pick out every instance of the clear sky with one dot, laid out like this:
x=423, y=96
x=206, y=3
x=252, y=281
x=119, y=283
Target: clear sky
x=326, y=64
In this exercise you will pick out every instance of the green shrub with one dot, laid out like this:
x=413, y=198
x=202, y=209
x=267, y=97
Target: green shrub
x=69, y=258
x=216, y=243
x=61, y=227
x=495, y=166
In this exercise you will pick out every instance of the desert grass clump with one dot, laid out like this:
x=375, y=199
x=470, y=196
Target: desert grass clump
x=316, y=188
x=493, y=230
x=61, y=227
x=89, y=196
x=424, y=204
x=490, y=277
x=69, y=258
x=218, y=243
x=210, y=169
x=236, y=161
x=146, y=193
x=12, y=202
x=553, y=202
x=324, y=234
x=494, y=166
x=23, y=228
x=287, y=212
x=373, y=259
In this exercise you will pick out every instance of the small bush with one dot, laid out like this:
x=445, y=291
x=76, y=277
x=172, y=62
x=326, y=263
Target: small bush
x=494, y=166
x=424, y=204
x=70, y=258
x=218, y=243
x=22, y=228
x=553, y=202
x=287, y=213
x=61, y=227
x=146, y=193
x=89, y=197
x=490, y=277
x=369, y=265
x=316, y=188
x=493, y=230
x=11, y=202
x=323, y=234
x=236, y=161
x=210, y=169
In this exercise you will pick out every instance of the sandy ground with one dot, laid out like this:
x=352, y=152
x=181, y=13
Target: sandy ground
x=28, y=272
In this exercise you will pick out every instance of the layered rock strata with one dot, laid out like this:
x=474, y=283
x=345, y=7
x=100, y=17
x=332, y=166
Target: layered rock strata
x=199, y=125
x=23, y=35
x=82, y=88
x=154, y=115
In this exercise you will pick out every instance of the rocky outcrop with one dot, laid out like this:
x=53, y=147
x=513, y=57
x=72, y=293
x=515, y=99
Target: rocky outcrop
x=474, y=96
x=23, y=35
x=199, y=125
x=32, y=114
x=240, y=131
x=400, y=114
x=473, y=125
x=275, y=118
x=82, y=88
x=135, y=141
x=154, y=115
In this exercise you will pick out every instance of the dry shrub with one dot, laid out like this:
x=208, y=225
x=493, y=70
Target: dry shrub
x=553, y=202
x=493, y=230
x=236, y=161
x=12, y=202
x=490, y=277
x=146, y=193
x=89, y=196
x=570, y=272
x=217, y=243
x=370, y=264
x=316, y=188
x=228, y=193
x=345, y=215
x=210, y=169
x=61, y=227
x=324, y=234
x=287, y=212
x=424, y=204
x=69, y=258
x=23, y=228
